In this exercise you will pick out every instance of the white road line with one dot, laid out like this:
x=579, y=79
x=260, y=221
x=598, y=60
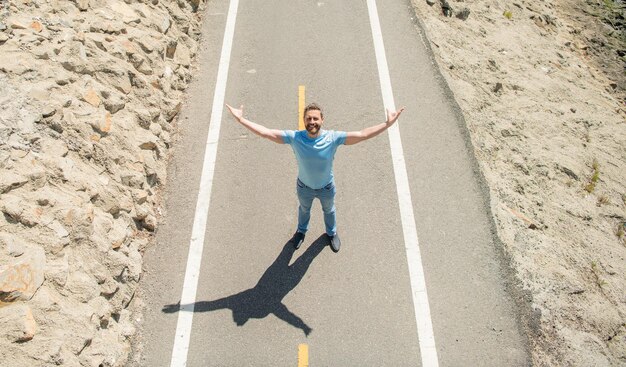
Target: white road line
x=425, y=333
x=194, y=259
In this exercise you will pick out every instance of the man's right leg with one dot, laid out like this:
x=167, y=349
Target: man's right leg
x=305, y=198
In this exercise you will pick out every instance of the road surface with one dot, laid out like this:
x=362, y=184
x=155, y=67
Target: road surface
x=418, y=280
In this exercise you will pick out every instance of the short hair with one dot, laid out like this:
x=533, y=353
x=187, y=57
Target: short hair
x=313, y=106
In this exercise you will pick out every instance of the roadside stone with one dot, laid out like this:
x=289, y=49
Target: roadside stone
x=48, y=111
x=11, y=245
x=132, y=179
x=149, y=142
x=20, y=279
x=150, y=223
x=173, y=112
x=83, y=5
x=128, y=14
x=164, y=25
x=18, y=323
x=113, y=102
x=102, y=122
x=83, y=286
x=19, y=210
x=119, y=233
x=15, y=24
x=182, y=55
x=446, y=8
x=36, y=26
x=10, y=181
x=463, y=14
x=54, y=147
x=58, y=270
x=91, y=97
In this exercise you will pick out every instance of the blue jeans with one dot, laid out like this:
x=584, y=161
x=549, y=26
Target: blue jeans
x=326, y=195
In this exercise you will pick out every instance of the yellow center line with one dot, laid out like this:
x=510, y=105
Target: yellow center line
x=303, y=355
x=301, y=107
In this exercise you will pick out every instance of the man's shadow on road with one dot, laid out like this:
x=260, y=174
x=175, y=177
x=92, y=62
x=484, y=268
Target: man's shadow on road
x=267, y=295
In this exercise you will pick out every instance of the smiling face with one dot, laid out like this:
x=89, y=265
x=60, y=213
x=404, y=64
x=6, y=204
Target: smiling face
x=313, y=120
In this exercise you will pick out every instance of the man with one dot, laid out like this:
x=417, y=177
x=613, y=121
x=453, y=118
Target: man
x=315, y=150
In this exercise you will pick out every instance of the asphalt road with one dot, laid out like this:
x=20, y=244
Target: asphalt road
x=257, y=299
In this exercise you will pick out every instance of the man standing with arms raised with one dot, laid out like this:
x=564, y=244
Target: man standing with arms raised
x=315, y=151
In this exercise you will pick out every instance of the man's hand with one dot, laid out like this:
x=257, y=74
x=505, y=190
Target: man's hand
x=237, y=113
x=393, y=116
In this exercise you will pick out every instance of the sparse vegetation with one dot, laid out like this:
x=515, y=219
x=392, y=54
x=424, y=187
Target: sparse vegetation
x=603, y=200
x=596, y=273
x=591, y=186
x=508, y=14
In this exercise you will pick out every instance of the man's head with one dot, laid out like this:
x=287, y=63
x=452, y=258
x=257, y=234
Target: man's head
x=313, y=119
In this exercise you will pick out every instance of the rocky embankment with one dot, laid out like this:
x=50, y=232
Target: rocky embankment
x=89, y=90
x=541, y=87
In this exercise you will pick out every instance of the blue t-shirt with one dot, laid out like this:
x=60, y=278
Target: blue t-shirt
x=315, y=156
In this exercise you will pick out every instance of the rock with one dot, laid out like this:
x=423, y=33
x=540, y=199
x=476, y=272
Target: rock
x=58, y=270
x=446, y=8
x=182, y=55
x=36, y=26
x=10, y=180
x=140, y=196
x=170, y=49
x=114, y=103
x=54, y=147
x=195, y=4
x=568, y=172
x=170, y=114
x=144, y=118
x=91, y=97
x=118, y=79
x=83, y=286
x=150, y=223
x=119, y=233
x=142, y=211
x=497, y=87
x=15, y=62
x=19, y=210
x=83, y=5
x=11, y=245
x=128, y=14
x=3, y=38
x=15, y=24
x=18, y=323
x=430, y=2
x=58, y=228
x=149, y=143
x=48, y=111
x=165, y=24
x=141, y=64
x=20, y=279
x=463, y=14
x=132, y=179
x=101, y=123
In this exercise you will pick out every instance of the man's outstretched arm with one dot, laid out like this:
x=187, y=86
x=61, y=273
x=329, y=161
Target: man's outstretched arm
x=354, y=137
x=272, y=134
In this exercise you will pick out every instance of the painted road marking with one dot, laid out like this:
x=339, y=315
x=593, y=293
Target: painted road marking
x=303, y=355
x=425, y=333
x=301, y=95
x=194, y=258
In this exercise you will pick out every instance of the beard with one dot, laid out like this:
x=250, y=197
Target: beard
x=312, y=128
